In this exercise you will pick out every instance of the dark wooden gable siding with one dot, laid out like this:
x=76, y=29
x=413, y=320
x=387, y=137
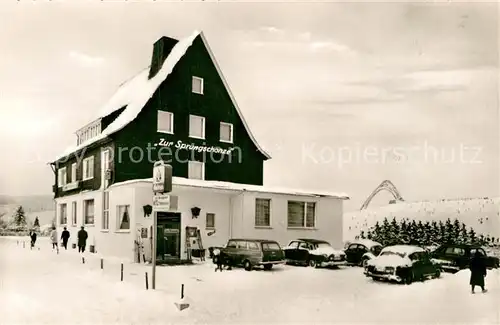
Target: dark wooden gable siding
x=91, y=184
x=175, y=95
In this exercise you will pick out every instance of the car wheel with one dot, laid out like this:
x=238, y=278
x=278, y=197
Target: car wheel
x=267, y=267
x=248, y=265
x=312, y=263
x=437, y=274
x=409, y=278
x=364, y=261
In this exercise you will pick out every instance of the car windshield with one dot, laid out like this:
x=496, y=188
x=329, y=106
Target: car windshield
x=376, y=249
x=322, y=245
x=387, y=253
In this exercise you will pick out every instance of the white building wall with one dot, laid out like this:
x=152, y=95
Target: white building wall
x=328, y=224
x=234, y=217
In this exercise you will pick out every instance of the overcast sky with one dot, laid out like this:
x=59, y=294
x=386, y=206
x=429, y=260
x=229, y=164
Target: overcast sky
x=391, y=80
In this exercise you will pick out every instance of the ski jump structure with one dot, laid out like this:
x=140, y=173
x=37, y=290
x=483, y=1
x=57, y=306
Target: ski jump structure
x=386, y=186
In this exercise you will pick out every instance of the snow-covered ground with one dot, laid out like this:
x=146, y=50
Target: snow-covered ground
x=43, y=287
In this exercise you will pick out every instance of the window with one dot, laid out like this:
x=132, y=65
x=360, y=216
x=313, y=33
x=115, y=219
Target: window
x=269, y=246
x=293, y=244
x=74, y=219
x=455, y=251
x=123, y=217
x=303, y=246
x=105, y=211
x=226, y=132
x=63, y=213
x=210, y=222
x=88, y=168
x=88, y=212
x=231, y=244
x=165, y=122
x=262, y=212
x=73, y=172
x=474, y=250
x=196, y=170
x=301, y=214
x=197, y=85
x=253, y=245
x=61, y=177
x=241, y=244
x=196, y=127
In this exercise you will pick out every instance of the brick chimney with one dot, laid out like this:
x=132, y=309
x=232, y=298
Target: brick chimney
x=161, y=50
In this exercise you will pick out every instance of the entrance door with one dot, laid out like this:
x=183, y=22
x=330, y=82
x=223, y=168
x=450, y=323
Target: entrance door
x=169, y=235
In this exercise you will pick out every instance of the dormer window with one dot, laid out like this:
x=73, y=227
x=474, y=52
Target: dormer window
x=88, y=132
x=197, y=85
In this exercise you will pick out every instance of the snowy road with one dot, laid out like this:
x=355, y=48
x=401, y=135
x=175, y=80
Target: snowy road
x=42, y=287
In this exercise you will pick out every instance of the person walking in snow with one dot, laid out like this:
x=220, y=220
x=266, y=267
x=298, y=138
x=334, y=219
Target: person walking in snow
x=477, y=271
x=33, y=238
x=82, y=240
x=65, y=237
x=53, y=237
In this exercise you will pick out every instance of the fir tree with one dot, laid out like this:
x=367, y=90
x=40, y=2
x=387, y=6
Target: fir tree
x=377, y=232
x=448, y=237
x=456, y=229
x=463, y=236
x=427, y=233
x=369, y=234
x=412, y=233
x=420, y=233
x=395, y=232
x=442, y=233
x=434, y=232
x=386, y=232
x=472, y=236
x=362, y=234
x=19, y=220
x=36, y=223
x=481, y=240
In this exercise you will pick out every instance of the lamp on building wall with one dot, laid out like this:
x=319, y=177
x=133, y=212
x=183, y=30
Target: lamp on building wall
x=195, y=211
x=148, y=209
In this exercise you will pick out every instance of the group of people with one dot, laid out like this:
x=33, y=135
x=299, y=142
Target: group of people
x=82, y=239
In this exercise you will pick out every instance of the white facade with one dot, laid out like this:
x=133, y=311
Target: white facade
x=233, y=207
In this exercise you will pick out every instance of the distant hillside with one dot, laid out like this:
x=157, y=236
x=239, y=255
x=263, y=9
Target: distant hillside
x=482, y=214
x=34, y=205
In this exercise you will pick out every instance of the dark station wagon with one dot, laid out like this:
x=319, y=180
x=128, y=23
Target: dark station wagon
x=250, y=253
x=455, y=257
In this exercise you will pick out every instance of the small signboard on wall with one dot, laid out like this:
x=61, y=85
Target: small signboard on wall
x=144, y=232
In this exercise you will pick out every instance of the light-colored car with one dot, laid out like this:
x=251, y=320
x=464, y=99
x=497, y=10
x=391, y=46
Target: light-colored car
x=403, y=264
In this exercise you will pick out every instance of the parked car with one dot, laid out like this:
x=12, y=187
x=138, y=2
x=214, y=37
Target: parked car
x=361, y=251
x=455, y=257
x=403, y=264
x=313, y=252
x=251, y=253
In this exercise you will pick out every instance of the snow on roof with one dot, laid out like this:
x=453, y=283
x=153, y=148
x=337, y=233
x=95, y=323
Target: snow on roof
x=367, y=242
x=181, y=181
x=404, y=249
x=135, y=93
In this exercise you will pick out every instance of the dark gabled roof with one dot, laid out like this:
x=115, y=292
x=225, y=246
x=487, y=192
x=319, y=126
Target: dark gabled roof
x=313, y=241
